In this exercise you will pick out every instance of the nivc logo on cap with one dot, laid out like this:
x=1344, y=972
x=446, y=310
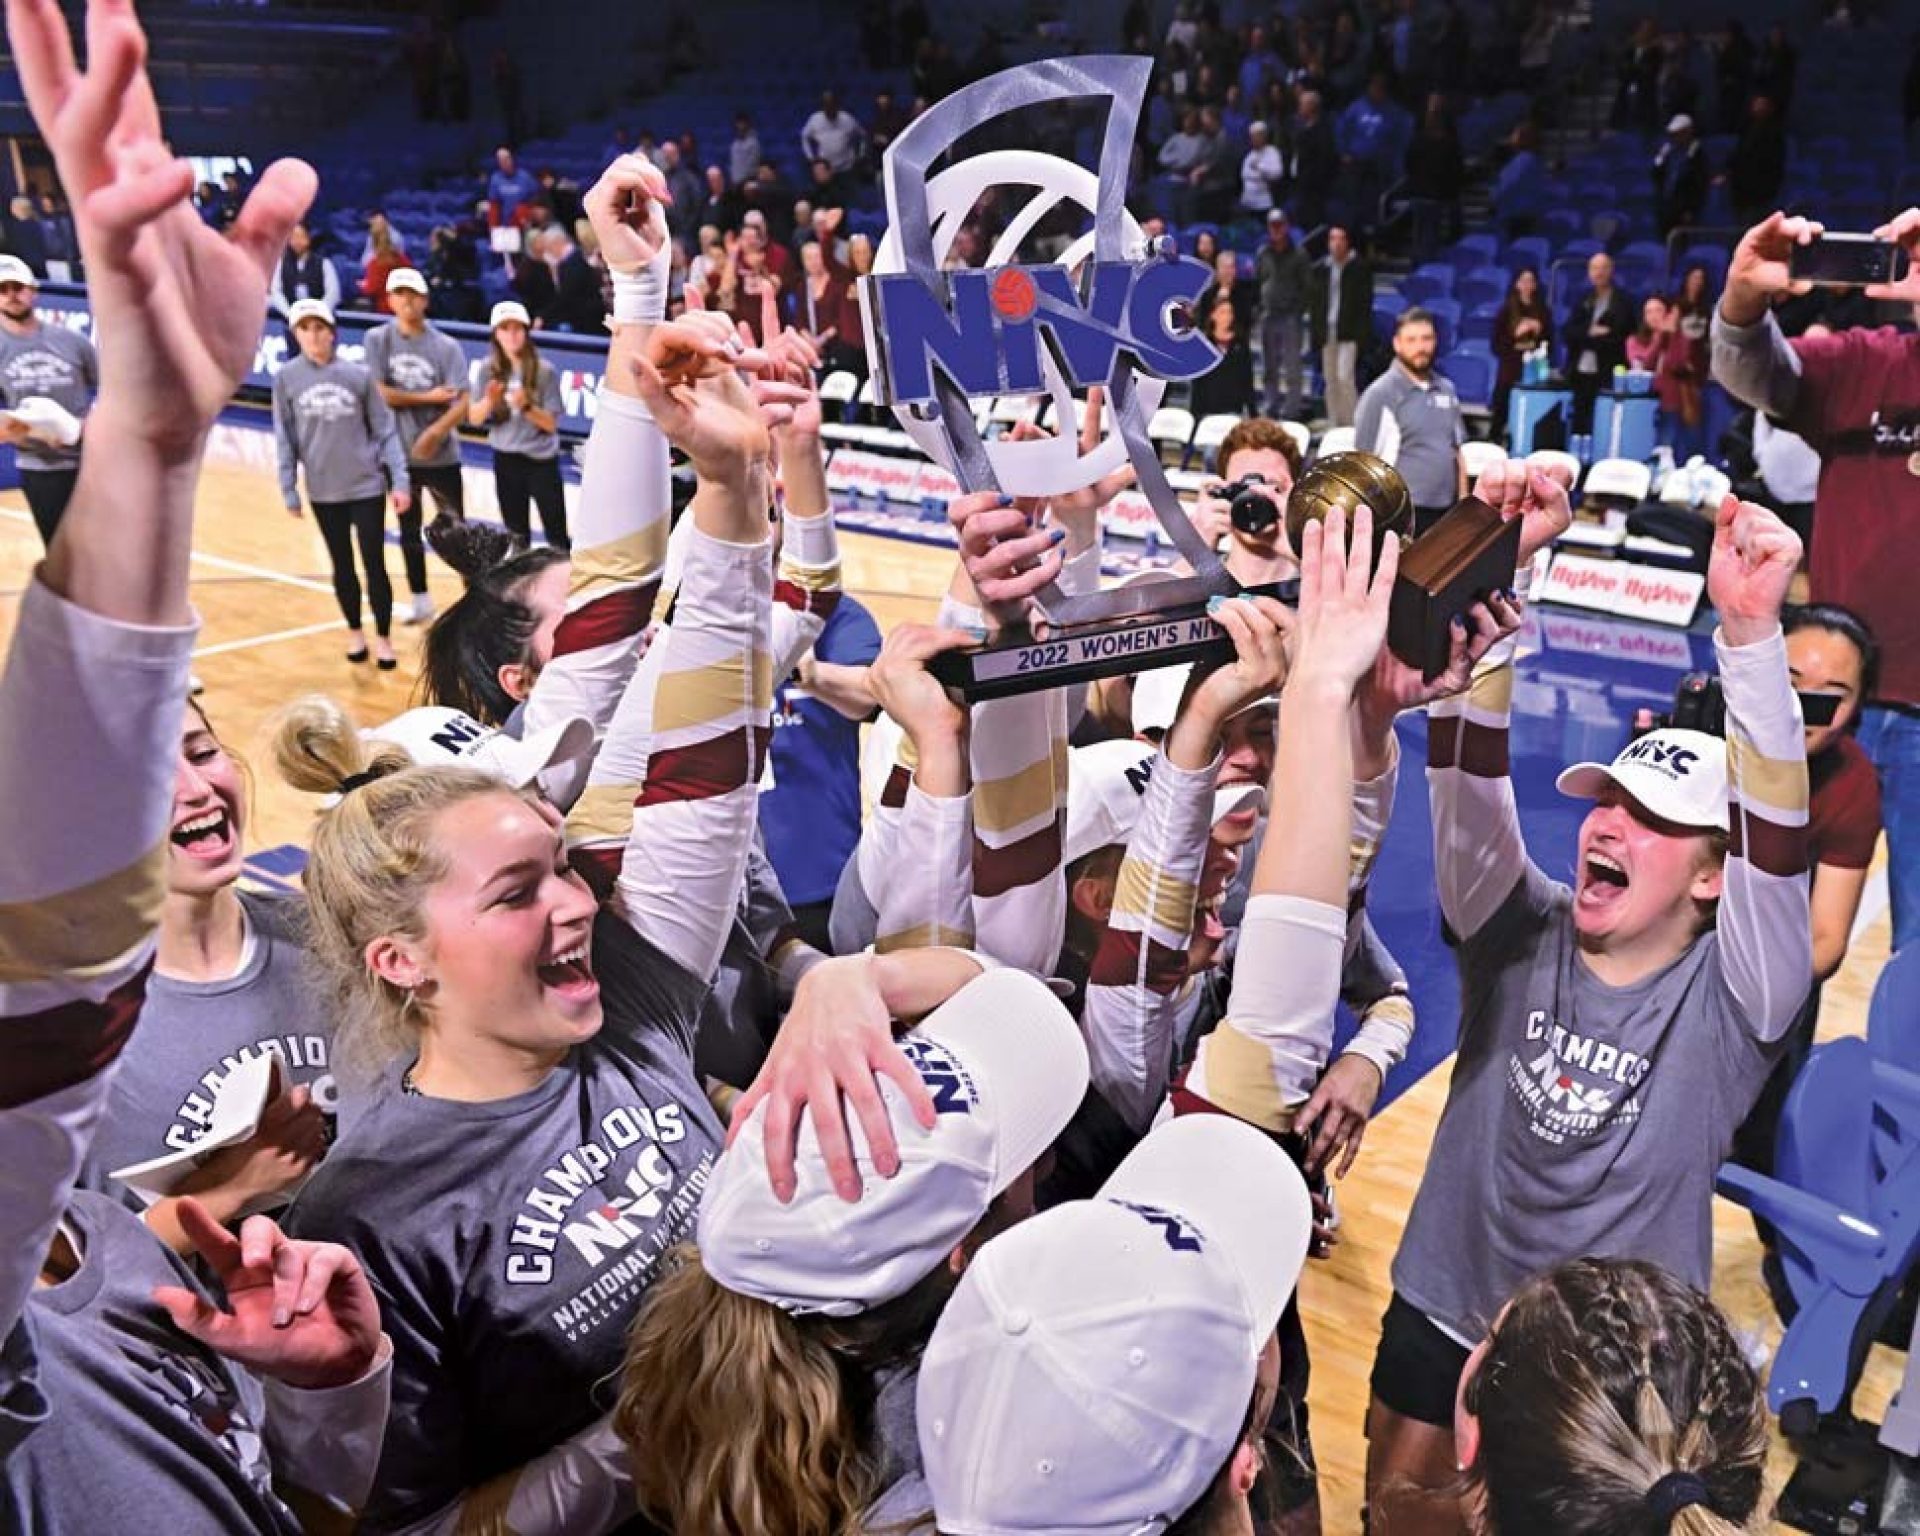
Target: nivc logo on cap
x=1181, y=1235
x=459, y=734
x=1666, y=756
x=949, y=1083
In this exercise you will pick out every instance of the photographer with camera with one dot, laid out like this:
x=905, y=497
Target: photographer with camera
x=1854, y=396
x=1258, y=461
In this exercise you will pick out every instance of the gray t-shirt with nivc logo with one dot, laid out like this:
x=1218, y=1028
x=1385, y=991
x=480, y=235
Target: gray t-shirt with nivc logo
x=416, y=364
x=56, y=364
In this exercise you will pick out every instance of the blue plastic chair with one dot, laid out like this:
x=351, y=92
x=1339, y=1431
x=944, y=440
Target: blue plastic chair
x=1472, y=373
x=1424, y=288
x=1476, y=292
x=1446, y=321
x=1473, y=250
x=1440, y=272
x=1478, y=322
x=1528, y=251
x=1843, y=1201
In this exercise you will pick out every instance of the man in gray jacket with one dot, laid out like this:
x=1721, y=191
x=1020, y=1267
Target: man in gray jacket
x=1283, y=273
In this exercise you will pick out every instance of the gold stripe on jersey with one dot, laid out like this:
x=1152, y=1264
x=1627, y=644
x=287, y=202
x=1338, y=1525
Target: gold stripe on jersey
x=1240, y=1079
x=701, y=695
x=1022, y=798
x=1155, y=898
x=923, y=936
x=1776, y=786
x=810, y=578
x=602, y=814
x=630, y=559
x=87, y=931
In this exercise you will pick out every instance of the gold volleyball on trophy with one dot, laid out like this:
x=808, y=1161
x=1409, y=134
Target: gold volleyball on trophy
x=1349, y=481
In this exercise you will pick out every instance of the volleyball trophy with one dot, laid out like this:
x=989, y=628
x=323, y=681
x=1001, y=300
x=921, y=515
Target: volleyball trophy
x=1467, y=554
x=1108, y=312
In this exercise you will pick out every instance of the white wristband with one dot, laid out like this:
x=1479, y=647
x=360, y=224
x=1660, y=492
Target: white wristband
x=640, y=298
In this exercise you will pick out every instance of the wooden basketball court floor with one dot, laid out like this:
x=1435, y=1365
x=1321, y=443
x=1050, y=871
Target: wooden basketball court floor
x=271, y=631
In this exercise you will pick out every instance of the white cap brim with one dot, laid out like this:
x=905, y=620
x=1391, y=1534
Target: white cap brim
x=1235, y=798
x=311, y=309
x=406, y=280
x=521, y=762
x=1243, y=1194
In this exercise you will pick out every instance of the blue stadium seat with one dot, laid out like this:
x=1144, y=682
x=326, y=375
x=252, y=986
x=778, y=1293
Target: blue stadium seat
x=1441, y=272
x=1473, y=250
x=1472, y=373
x=1446, y=320
x=1424, y=287
x=1477, y=324
x=1528, y=251
x=1476, y=291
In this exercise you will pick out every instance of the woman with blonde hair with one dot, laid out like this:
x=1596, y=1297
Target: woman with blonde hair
x=1612, y=1399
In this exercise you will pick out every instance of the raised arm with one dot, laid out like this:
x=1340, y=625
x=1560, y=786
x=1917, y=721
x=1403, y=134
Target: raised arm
x=1140, y=962
x=1765, y=925
x=1751, y=358
x=620, y=524
x=99, y=657
x=1261, y=1062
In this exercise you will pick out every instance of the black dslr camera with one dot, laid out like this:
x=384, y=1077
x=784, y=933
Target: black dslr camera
x=1251, y=510
x=1699, y=705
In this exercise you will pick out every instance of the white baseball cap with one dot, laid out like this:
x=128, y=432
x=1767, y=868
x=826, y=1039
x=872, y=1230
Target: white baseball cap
x=506, y=312
x=1105, y=783
x=435, y=736
x=1007, y=1068
x=1679, y=775
x=14, y=270
x=1094, y=1368
x=406, y=280
x=1157, y=695
x=310, y=309
x=1680, y=123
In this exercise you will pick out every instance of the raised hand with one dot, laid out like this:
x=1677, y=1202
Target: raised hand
x=302, y=1313
x=1759, y=271
x=180, y=304
x=908, y=692
x=1258, y=627
x=627, y=208
x=1342, y=625
x=1531, y=492
x=1334, y=1119
x=1753, y=562
x=1393, y=686
x=1007, y=556
x=1903, y=230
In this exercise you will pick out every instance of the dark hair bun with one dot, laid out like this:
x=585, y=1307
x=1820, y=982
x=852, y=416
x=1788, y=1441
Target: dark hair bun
x=470, y=548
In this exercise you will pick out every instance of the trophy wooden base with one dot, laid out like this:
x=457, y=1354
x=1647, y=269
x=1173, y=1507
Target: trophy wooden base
x=1469, y=553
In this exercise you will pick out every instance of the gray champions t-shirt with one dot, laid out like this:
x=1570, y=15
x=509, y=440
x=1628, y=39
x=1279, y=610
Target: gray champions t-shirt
x=1581, y=1119
x=192, y=1034
x=514, y=433
x=111, y=1419
x=417, y=364
x=510, y=1242
x=56, y=364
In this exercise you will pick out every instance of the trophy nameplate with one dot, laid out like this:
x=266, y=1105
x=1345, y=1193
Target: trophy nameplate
x=1102, y=314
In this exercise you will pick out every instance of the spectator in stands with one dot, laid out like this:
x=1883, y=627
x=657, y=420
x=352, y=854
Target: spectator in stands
x=25, y=238
x=1775, y=71
x=1520, y=188
x=1340, y=316
x=743, y=153
x=453, y=274
x=1313, y=161
x=303, y=273
x=1839, y=392
x=888, y=119
x=562, y=194
x=826, y=187
x=1658, y=348
x=824, y=224
x=58, y=370
x=719, y=207
x=1679, y=177
x=515, y=395
x=576, y=304
x=383, y=258
x=1758, y=164
x=56, y=229
x=1688, y=358
x=1206, y=246
x=1285, y=277
x=1225, y=314
x=833, y=134
x=508, y=187
x=1261, y=170
x=1260, y=65
x=1372, y=134
x=380, y=228
x=1410, y=416
x=1435, y=173
x=1596, y=338
x=1524, y=322
x=684, y=185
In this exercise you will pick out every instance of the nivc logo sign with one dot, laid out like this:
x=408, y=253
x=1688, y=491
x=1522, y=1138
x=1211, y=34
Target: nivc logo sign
x=948, y=1082
x=986, y=333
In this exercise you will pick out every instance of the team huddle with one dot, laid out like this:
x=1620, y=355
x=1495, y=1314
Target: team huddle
x=588, y=1193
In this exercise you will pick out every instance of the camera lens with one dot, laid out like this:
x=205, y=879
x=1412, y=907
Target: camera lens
x=1253, y=511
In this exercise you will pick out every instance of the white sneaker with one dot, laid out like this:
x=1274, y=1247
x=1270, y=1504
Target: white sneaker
x=422, y=608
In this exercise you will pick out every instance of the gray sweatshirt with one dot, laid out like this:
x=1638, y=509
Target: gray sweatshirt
x=56, y=364
x=332, y=422
x=417, y=364
x=513, y=433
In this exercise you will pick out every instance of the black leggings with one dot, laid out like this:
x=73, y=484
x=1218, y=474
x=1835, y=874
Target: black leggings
x=449, y=500
x=516, y=480
x=340, y=523
x=48, y=491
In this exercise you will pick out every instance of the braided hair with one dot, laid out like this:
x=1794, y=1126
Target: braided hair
x=489, y=627
x=1614, y=1400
